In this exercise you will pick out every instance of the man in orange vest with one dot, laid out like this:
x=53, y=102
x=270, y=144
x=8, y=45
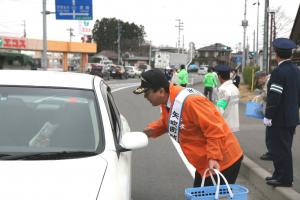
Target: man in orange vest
x=194, y=122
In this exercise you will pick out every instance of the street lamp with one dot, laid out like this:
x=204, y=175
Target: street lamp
x=257, y=22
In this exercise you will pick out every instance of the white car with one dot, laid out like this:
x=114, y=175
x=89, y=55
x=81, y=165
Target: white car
x=130, y=71
x=62, y=137
x=202, y=69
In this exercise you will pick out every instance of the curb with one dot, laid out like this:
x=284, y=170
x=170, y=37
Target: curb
x=256, y=176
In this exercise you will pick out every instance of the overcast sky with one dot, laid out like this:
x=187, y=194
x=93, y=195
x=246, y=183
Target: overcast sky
x=205, y=21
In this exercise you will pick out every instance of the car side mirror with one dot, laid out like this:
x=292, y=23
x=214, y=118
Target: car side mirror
x=133, y=140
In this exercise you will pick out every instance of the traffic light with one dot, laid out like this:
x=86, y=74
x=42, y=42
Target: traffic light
x=89, y=38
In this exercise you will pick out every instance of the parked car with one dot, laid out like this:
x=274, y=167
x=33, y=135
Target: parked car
x=130, y=71
x=144, y=67
x=118, y=71
x=100, y=70
x=137, y=71
x=99, y=65
x=193, y=68
x=62, y=137
x=97, y=60
x=203, y=69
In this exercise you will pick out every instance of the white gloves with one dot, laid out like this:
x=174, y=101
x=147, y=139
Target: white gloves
x=267, y=122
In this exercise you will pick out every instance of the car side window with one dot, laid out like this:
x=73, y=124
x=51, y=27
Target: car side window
x=113, y=112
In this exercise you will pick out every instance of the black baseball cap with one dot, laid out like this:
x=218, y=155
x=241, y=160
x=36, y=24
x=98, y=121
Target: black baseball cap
x=151, y=79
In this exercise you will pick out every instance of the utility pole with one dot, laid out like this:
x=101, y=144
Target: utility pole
x=254, y=41
x=119, y=41
x=244, y=24
x=150, y=53
x=71, y=33
x=182, y=44
x=272, y=16
x=257, y=31
x=24, y=29
x=180, y=28
x=45, y=47
x=266, y=30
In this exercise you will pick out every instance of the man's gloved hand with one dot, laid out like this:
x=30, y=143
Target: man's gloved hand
x=267, y=122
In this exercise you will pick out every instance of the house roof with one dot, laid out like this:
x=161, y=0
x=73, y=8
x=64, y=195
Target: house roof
x=215, y=47
x=109, y=54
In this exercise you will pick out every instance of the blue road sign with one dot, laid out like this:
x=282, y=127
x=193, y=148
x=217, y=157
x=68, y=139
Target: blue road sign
x=74, y=9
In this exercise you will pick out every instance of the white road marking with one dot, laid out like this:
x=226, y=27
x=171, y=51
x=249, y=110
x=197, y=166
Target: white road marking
x=119, y=87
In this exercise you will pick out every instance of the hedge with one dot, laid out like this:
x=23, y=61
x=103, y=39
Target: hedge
x=248, y=74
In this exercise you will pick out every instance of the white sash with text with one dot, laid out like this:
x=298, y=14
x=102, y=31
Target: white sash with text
x=175, y=115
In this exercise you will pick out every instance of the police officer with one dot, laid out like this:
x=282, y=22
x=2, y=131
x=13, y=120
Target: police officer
x=228, y=98
x=282, y=112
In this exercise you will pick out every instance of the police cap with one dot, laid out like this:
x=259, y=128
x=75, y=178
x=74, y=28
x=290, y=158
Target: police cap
x=152, y=79
x=284, y=43
x=222, y=68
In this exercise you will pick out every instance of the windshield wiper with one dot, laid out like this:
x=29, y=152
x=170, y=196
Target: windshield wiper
x=48, y=155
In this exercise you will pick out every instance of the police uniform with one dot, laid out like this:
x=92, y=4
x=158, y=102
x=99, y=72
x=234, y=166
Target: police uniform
x=228, y=100
x=282, y=114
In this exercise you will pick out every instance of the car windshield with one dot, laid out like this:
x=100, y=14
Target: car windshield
x=38, y=120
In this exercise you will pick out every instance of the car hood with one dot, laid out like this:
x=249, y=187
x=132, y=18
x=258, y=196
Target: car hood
x=53, y=179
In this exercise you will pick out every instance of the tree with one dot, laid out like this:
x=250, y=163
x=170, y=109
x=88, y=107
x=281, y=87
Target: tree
x=105, y=33
x=283, y=23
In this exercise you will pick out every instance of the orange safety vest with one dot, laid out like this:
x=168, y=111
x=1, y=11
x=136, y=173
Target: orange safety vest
x=204, y=133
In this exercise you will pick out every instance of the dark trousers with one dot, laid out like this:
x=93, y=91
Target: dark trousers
x=267, y=141
x=183, y=85
x=281, y=140
x=208, y=92
x=230, y=174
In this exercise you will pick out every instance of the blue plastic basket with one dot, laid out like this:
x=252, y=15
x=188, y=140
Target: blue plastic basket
x=208, y=192
x=254, y=110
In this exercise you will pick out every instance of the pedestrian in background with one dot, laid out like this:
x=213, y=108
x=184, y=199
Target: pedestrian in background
x=282, y=112
x=262, y=79
x=228, y=98
x=183, y=76
x=236, y=78
x=174, y=78
x=168, y=73
x=210, y=82
x=194, y=122
x=215, y=89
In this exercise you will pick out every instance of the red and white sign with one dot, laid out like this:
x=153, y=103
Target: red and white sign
x=11, y=42
x=85, y=27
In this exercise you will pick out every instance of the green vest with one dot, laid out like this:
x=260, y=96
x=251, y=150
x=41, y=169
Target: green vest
x=183, y=77
x=209, y=80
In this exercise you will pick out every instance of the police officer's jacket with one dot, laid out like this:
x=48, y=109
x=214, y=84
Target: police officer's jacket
x=283, y=96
